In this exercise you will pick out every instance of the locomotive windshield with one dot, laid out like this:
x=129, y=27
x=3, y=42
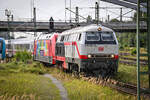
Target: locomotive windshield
x=92, y=36
x=107, y=36
x=100, y=38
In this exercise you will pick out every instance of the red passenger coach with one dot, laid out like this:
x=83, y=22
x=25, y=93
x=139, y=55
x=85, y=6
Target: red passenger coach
x=44, y=48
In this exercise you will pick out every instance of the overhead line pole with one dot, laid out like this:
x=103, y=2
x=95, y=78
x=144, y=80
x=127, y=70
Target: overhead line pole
x=77, y=16
x=65, y=10
x=97, y=12
x=70, y=12
x=34, y=20
x=120, y=14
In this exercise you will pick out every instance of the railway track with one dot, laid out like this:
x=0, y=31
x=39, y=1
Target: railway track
x=119, y=86
x=133, y=63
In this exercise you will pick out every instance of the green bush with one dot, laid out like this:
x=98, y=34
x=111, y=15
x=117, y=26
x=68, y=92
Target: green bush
x=23, y=56
x=133, y=51
x=121, y=47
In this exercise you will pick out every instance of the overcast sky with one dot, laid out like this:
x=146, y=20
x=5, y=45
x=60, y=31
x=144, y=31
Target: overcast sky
x=21, y=9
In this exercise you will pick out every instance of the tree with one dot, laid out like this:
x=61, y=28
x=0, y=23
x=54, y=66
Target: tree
x=135, y=16
x=89, y=19
x=114, y=20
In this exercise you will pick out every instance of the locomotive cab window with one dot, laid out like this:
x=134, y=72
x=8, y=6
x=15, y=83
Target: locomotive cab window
x=107, y=36
x=99, y=38
x=92, y=36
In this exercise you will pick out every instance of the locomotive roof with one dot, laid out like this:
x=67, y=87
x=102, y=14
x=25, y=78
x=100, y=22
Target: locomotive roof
x=92, y=27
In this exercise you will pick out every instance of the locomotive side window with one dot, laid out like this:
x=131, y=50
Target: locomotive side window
x=79, y=37
x=107, y=36
x=62, y=38
x=70, y=38
x=66, y=38
x=92, y=36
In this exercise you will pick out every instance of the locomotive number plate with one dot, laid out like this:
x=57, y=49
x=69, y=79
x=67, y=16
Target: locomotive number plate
x=100, y=48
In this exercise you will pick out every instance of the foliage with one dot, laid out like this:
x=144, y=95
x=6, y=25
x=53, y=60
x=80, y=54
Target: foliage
x=114, y=20
x=17, y=67
x=133, y=51
x=129, y=39
x=135, y=16
x=121, y=47
x=89, y=19
x=23, y=56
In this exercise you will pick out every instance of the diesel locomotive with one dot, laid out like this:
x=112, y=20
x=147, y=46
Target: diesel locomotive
x=92, y=48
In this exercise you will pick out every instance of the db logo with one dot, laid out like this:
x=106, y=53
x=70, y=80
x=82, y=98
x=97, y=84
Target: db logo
x=100, y=48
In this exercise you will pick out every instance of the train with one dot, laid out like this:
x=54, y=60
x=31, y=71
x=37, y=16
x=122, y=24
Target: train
x=8, y=48
x=92, y=49
x=2, y=49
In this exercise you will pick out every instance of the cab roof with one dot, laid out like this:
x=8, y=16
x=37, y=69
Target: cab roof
x=82, y=29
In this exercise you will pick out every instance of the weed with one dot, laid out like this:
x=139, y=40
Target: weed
x=133, y=51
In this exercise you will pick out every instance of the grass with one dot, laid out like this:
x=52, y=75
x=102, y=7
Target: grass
x=16, y=67
x=82, y=90
x=22, y=81
x=129, y=49
x=128, y=74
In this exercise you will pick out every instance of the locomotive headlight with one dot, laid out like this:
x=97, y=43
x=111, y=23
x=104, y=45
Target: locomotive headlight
x=112, y=56
x=89, y=56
